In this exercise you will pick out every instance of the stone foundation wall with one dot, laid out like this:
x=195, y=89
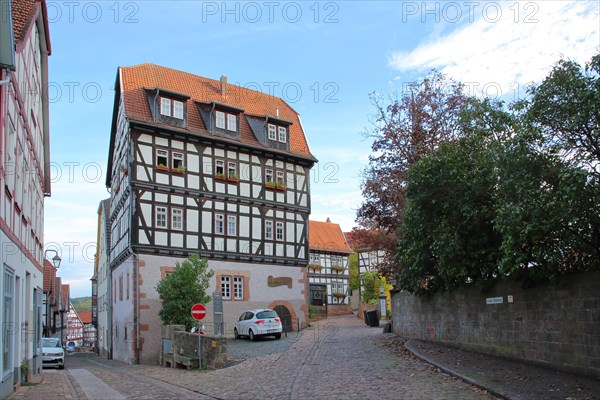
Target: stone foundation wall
x=554, y=325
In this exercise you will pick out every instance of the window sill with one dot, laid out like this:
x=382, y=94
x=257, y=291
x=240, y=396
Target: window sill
x=220, y=177
x=162, y=168
x=178, y=171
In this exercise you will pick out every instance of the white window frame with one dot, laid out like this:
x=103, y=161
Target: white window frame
x=220, y=119
x=238, y=288
x=231, y=168
x=231, y=225
x=165, y=106
x=219, y=224
x=177, y=109
x=280, y=177
x=282, y=134
x=272, y=131
x=177, y=219
x=226, y=287
x=268, y=230
x=160, y=153
x=177, y=160
x=220, y=165
x=269, y=175
x=279, y=231
x=161, y=217
x=8, y=322
x=231, y=122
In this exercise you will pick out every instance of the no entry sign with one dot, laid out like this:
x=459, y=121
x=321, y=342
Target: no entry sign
x=198, y=311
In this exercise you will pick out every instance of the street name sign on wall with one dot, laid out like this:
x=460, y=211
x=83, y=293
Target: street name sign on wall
x=494, y=300
x=198, y=311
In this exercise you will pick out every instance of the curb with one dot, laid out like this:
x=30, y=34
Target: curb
x=409, y=346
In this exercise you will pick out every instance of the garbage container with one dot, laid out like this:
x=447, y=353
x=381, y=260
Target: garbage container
x=366, y=317
x=373, y=318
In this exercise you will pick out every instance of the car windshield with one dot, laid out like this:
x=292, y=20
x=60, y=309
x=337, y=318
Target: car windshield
x=266, y=314
x=50, y=342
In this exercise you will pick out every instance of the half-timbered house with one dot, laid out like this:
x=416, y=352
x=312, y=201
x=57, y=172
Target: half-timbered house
x=328, y=270
x=198, y=165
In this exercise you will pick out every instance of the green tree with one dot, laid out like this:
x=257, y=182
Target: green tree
x=371, y=282
x=354, y=273
x=183, y=288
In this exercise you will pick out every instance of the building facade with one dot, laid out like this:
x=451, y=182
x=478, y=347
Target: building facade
x=103, y=322
x=328, y=269
x=200, y=166
x=25, y=182
x=74, y=327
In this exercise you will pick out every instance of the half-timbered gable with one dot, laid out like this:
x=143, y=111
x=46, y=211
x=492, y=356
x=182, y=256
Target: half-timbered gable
x=201, y=166
x=328, y=269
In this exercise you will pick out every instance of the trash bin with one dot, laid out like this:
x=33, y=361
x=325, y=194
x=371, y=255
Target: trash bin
x=366, y=317
x=373, y=318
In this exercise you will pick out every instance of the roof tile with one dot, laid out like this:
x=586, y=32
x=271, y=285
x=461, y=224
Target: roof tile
x=327, y=236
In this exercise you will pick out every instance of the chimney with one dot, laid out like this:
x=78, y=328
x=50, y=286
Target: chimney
x=223, y=85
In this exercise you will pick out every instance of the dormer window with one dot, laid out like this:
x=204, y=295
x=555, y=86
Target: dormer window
x=165, y=106
x=172, y=108
x=272, y=130
x=225, y=120
x=282, y=134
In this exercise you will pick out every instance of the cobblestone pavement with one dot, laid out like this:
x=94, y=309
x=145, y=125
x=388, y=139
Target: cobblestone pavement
x=244, y=349
x=338, y=358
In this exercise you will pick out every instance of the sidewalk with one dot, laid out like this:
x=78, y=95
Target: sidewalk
x=505, y=378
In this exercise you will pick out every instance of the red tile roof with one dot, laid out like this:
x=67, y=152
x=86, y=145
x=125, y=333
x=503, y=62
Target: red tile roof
x=49, y=276
x=135, y=80
x=85, y=316
x=327, y=236
x=22, y=15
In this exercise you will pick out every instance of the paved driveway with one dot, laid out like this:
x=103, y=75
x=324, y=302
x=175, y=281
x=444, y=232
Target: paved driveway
x=339, y=358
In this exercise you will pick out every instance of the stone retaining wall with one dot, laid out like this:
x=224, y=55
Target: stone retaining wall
x=555, y=325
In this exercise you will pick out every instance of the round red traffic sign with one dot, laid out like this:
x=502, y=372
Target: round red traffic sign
x=198, y=311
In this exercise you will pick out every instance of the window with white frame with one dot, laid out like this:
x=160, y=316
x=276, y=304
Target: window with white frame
x=280, y=177
x=315, y=258
x=162, y=157
x=282, y=134
x=337, y=287
x=278, y=230
x=268, y=175
x=226, y=287
x=272, y=132
x=177, y=109
x=219, y=224
x=161, y=217
x=231, y=225
x=165, y=106
x=220, y=119
x=231, y=122
x=269, y=230
x=220, y=168
x=238, y=288
x=177, y=219
x=177, y=160
x=231, y=170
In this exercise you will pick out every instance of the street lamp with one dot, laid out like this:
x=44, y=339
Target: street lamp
x=55, y=260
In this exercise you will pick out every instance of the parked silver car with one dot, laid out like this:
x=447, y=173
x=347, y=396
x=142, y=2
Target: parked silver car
x=261, y=322
x=52, y=353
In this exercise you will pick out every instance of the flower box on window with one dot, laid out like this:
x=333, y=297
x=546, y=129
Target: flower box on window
x=339, y=295
x=220, y=177
x=162, y=167
x=233, y=178
x=315, y=267
x=179, y=170
x=275, y=185
x=337, y=268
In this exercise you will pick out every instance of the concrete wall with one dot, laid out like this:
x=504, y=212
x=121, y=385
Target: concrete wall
x=555, y=325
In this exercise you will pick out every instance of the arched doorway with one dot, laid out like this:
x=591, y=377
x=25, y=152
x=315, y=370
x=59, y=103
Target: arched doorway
x=286, y=317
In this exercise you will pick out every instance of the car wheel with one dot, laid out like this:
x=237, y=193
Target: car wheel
x=277, y=336
x=61, y=367
x=251, y=335
x=235, y=333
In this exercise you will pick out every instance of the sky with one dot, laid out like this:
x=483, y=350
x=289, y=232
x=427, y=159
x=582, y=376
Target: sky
x=324, y=58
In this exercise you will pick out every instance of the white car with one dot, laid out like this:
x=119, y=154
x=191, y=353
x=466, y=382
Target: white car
x=52, y=353
x=261, y=322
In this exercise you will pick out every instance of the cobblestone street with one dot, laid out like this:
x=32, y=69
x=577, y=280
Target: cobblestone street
x=339, y=358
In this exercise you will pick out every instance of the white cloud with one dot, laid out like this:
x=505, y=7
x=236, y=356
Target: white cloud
x=517, y=49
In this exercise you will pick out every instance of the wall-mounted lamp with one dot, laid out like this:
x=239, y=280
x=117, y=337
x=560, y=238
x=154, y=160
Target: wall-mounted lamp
x=55, y=260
